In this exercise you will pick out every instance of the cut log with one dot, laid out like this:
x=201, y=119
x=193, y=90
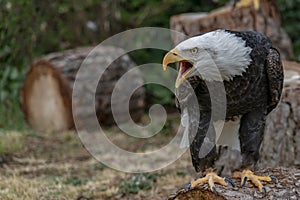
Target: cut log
x=288, y=187
x=46, y=96
x=266, y=20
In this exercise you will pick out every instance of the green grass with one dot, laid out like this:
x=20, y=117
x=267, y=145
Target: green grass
x=99, y=166
x=11, y=142
x=138, y=182
x=75, y=181
x=168, y=128
x=11, y=115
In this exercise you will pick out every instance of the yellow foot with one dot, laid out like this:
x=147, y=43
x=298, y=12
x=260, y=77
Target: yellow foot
x=246, y=174
x=211, y=178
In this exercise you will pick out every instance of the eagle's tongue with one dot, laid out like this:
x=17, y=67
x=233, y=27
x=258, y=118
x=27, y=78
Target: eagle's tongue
x=185, y=66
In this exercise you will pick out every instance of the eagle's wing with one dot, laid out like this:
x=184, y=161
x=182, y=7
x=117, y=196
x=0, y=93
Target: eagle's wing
x=275, y=76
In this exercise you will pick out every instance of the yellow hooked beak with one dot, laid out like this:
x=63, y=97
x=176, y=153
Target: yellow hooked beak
x=172, y=57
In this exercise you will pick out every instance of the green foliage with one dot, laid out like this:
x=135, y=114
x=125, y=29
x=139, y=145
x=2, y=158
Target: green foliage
x=99, y=166
x=290, y=18
x=11, y=116
x=15, y=50
x=159, y=94
x=11, y=142
x=75, y=181
x=182, y=173
x=137, y=183
x=168, y=128
x=155, y=93
x=138, y=13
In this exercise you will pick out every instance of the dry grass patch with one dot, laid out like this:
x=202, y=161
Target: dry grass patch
x=11, y=142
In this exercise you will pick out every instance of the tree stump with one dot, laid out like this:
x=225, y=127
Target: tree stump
x=288, y=187
x=46, y=96
x=281, y=144
x=266, y=20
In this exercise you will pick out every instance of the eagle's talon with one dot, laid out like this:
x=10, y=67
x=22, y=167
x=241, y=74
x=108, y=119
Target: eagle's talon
x=187, y=186
x=244, y=181
x=214, y=190
x=265, y=191
x=247, y=174
x=228, y=180
x=211, y=178
x=274, y=179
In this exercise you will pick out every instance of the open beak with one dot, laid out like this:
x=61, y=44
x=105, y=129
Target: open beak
x=185, y=66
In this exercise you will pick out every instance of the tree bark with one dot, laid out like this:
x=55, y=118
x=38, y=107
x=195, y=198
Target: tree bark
x=288, y=187
x=281, y=144
x=266, y=20
x=46, y=96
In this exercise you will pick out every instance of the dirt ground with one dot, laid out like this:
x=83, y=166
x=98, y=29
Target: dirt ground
x=57, y=166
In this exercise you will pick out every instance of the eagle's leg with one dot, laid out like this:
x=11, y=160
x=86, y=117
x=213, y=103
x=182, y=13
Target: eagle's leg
x=211, y=178
x=203, y=152
x=247, y=174
x=251, y=135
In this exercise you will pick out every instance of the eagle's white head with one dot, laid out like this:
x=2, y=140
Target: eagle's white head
x=217, y=55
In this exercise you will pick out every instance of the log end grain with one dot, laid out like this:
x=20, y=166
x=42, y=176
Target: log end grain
x=46, y=98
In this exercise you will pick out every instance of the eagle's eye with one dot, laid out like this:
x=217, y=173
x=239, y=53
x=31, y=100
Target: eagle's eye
x=194, y=51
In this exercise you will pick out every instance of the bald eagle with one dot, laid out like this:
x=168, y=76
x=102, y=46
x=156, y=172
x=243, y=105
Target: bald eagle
x=250, y=69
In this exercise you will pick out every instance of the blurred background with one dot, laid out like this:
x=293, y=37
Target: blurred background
x=30, y=29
